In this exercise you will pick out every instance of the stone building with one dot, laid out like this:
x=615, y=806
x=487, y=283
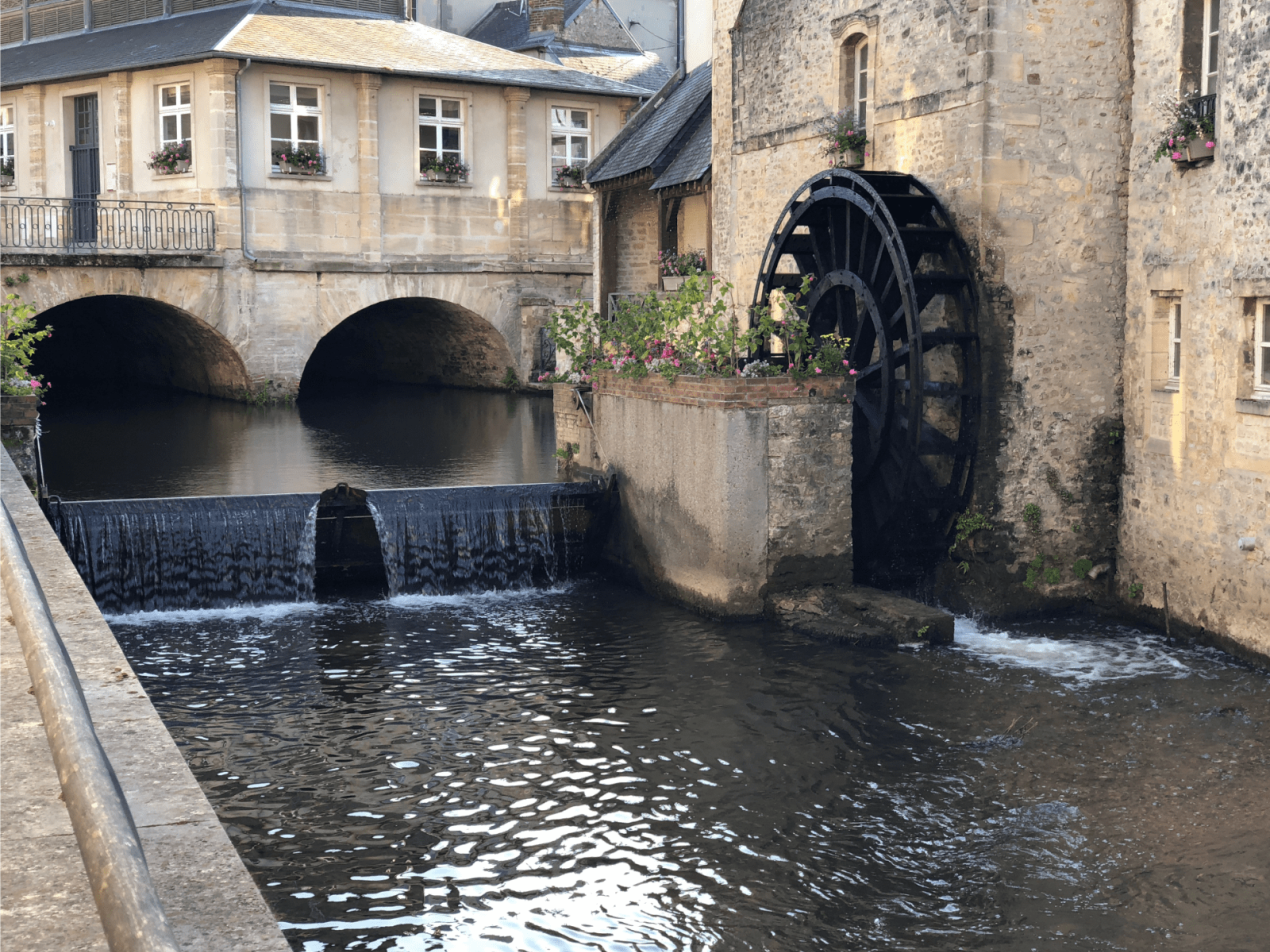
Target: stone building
x=1032, y=123
x=229, y=270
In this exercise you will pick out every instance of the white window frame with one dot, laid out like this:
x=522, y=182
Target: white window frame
x=178, y=110
x=440, y=123
x=1212, y=41
x=1175, y=344
x=296, y=111
x=859, y=81
x=9, y=134
x=1261, y=350
x=570, y=133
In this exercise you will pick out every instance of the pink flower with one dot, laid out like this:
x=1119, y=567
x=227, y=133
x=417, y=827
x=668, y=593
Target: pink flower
x=817, y=370
x=1170, y=140
x=852, y=373
x=1177, y=156
x=845, y=364
x=1208, y=145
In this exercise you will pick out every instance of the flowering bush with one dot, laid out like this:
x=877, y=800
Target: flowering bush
x=568, y=176
x=843, y=136
x=671, y=265
x=306, y=160
x=450, y=165
x=17, y=347
x=1182, y=125
x=167, y=160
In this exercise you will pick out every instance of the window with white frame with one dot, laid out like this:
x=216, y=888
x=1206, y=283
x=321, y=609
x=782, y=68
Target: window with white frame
x=857, y=80
x=1212, y=36
x=1261, y=356
x=295, y=118
x=570, y=143
x=174, y=115
x=1175, y=343
x=440, y=132
x=8, y=131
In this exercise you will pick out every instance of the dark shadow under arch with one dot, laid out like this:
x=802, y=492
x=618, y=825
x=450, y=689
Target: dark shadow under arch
x=409, y=340
x=117, y=342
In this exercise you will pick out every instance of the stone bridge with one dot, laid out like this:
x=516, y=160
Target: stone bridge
x=231, y=327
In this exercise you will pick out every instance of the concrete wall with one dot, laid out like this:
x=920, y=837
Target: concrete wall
x=731, y=489
x=1197, y=458
x=1015, y=114
x=369, y=231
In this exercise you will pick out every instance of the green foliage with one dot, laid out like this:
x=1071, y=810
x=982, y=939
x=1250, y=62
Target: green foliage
x=1135, y=590
x=1114, y=437
x=963, y=567
x=1051, y=477
x=17, y=349
x=510, y=379
x=12, y=281
x=921, y=632
x=842, y=135
x=1032, y=516
x=968, y=523
x=1034, y=572
x=1077, y=528
x=671, y=265
x=1182, y=124
x=305, y=160
x=1081, y=567
x=1053, y=575
x=568, y=451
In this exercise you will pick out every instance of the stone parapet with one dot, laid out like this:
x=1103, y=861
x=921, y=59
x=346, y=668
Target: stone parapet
x=725, y=393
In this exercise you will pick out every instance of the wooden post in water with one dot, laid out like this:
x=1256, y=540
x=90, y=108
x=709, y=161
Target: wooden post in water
x=1166, y=610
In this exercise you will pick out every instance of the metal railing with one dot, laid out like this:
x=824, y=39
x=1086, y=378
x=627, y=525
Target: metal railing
x=85, y=226
x=131, y=914
x=1204, y=107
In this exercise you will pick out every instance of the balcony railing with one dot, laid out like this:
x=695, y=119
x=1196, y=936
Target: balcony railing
x=88, y=226
x=1205, y=107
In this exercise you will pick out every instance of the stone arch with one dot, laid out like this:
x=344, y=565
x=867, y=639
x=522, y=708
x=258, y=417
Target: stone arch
x=414, y=340
x=111, y=341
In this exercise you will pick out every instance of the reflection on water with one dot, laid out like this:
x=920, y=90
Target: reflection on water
x=168, y=444
x=584, y=768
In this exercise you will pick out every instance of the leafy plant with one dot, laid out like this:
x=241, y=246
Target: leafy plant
x=6, y=167
x=968, y=523
x=844, y=135
x=1135, y=590
x=569, y=176
x=963, y=567
x=18, y=337
x=1034, y=572
x=511, y=380
x=165, y=161
x=1032, y=516
x=567, y=451
x=921, y=632
x=12, y=281
x=1082, y=567
x=1053, y=575
x=671, y=265
x=305, y=160
x=1182, y=124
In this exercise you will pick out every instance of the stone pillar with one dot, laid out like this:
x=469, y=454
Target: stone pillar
x=36, y=172
x=121, y=93
x=517, y=172
x=369, y=203
x=219, y=148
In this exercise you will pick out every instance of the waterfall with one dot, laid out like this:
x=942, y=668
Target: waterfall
x=191, y=552
x=481, y=538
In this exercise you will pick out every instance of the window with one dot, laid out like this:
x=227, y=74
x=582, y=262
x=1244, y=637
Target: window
x=8, y=129
x=1261, y=356
x=440, y=131
x=1175, y=344
x=295, y=118
x=857, y=62
x=174, y=115
x=1212, y=31
x=570, y=140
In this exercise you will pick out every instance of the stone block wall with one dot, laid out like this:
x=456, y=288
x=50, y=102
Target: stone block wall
x=1196, y=513
x=731, y=489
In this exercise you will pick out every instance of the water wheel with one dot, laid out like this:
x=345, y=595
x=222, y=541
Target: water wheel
x=890, y=273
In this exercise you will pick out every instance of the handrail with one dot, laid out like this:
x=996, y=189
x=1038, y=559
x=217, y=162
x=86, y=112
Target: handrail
x=131, y=915
x=86, y=225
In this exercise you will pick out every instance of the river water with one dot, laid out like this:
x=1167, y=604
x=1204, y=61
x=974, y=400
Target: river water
x=588, y=769
x=585, y=768
x=171, y=444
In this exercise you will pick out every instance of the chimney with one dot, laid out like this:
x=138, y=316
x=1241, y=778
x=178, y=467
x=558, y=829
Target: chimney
x=546, y=15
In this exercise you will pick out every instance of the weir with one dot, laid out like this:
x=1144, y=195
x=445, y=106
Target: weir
x=220, y=551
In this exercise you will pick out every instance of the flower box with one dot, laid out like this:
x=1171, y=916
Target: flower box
x=669, y=283
x=1197, y=149
x=6, y=181
x=851, y=159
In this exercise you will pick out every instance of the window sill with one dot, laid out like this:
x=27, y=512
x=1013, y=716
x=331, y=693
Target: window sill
x=431, y=183
x=302, y=178
x=172, y=175
x=569, y=191
x=1258, y=405
x=1168, y=388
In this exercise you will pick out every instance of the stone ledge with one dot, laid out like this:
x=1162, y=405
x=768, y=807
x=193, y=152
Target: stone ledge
x=1256, y=407
x=141, y=261
x=725, y=393
x=865, y=617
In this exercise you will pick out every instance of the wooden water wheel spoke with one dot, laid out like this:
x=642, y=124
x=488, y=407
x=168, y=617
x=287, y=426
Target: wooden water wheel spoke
x=881, y=249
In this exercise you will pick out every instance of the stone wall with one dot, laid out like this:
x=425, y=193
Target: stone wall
x=1015, y=114
x=731, y=489
x=1197, y=480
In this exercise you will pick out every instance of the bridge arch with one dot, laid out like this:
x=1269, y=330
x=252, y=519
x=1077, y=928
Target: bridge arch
x=413, y=340
x=113, y=341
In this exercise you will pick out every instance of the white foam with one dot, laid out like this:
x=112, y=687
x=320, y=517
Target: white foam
x=1073, y=660
x=478, y=598
x=266, y=613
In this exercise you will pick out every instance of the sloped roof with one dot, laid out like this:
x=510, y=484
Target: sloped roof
x=656, y=138
x=297, y=35
x=644, y=70
x=507, y=24
x=693, y=160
